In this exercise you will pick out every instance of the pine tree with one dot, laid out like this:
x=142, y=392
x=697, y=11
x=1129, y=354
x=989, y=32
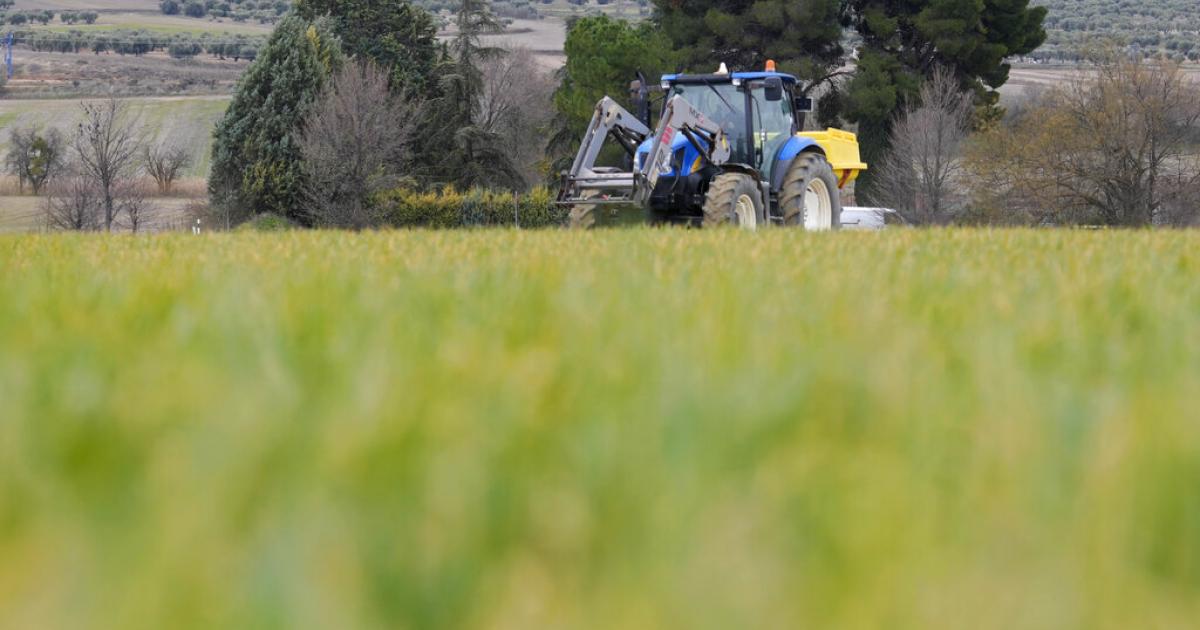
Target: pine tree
x=802, y=36
x=256, y=158
x=603, y=55
x=904, y=41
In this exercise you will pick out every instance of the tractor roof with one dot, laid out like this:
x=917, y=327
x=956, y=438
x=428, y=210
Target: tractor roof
x=725, y=78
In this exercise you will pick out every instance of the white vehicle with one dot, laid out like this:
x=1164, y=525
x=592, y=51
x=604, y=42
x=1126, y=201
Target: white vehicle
x=856, y=218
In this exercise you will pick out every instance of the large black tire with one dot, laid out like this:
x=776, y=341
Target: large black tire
x=810, y=181
x=583, y=215
x=734, y=199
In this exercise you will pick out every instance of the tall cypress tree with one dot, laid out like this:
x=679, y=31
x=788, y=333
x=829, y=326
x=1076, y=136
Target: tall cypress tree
x=256, y=163
x=458, y=151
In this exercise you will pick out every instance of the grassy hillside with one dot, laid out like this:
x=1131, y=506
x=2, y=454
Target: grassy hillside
x=1170, y=26
x=185, y=121
x=630, y=429
x=138, y=14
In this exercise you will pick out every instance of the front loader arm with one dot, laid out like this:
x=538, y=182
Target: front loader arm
x=586, y=183
x=680, y=117
x=585, y=179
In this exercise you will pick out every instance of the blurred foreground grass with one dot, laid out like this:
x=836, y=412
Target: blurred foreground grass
x=630, y=429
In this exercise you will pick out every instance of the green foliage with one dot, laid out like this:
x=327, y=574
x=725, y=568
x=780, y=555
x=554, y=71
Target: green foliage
x=904, y=40
x=138, y=42
x=394, y=34
x=256, y=159
x=267, y=222
x=455, y=149
x=603, y=55
x=633, y=429
x=35, y=156
x=475, y=208
x=803, y=37
x=263, y=11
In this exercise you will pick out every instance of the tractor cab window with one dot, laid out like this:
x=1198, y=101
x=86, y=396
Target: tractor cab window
x=724, y=104
x=774, y=123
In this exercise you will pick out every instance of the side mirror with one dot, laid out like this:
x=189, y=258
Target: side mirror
x=804, y=105
x=773, y=88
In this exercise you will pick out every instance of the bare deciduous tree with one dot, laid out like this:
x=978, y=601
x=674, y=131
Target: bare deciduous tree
x=74, y=203
x=132, y=204
x=163, y=163
x=106, y=148
x=354, y=143
x=921, y=174
x=1111, y=146
x=516, y=104
x=35, y=158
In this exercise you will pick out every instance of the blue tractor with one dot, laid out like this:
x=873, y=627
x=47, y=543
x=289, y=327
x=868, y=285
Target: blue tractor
x=728, y=150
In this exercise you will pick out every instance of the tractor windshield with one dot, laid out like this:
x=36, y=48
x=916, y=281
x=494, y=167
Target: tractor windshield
x=725, y=105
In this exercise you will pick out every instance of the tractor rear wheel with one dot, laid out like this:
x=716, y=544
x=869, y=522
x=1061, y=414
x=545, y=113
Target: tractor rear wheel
x=733, y=199
x=810, y=198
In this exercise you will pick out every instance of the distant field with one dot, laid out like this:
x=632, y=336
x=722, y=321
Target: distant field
x=186, y=121
x=83, y=5
x=25, y=214
x=48, y=75
x=140, y=14
x=993, y=430
x=545, y=38
x=158, y=23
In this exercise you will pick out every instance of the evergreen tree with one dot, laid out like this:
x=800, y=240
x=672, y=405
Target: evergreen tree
x=458, y=151
x=393, y=34
x=903, y=41
x=603, y=56
x=802, y=36
x=256, y=164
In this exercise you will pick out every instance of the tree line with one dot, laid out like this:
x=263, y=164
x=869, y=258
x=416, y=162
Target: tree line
x=263, y=160
x=138, y=42
x=264, y=11
x=351, y=98
x=1115, y=145
x=349, y=101
x=91, y=177
x=47, y=16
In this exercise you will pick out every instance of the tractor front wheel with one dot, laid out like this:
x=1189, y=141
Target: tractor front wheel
x=733, y=199
x=810, y=197
x=583, y=215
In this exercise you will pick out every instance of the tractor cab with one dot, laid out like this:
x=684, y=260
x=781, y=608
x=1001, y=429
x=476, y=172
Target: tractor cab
x=758, y=111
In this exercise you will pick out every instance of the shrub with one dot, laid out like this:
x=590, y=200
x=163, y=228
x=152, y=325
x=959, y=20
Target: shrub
x=266, y=222
x=184, y=50
x=475, y=208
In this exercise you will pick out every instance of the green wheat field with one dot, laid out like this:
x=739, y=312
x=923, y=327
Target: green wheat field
x=621, y=429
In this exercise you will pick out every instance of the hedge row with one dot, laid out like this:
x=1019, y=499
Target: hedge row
x=475, y=208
